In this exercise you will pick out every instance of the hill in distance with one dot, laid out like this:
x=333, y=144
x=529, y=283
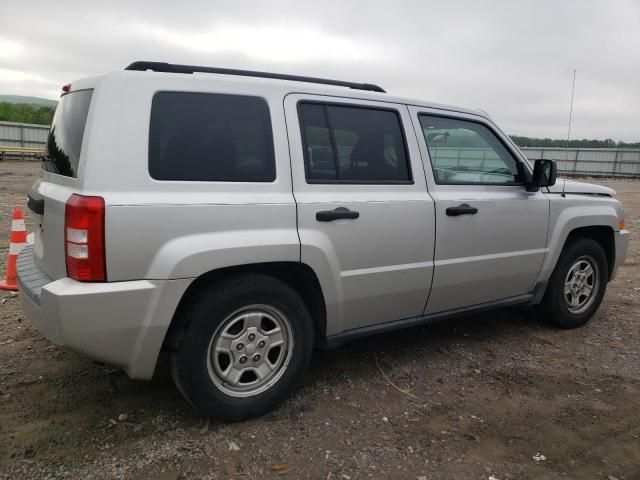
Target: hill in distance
x=41, y=102
x=23, y=109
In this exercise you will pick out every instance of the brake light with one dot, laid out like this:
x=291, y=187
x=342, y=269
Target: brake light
x=84, y=238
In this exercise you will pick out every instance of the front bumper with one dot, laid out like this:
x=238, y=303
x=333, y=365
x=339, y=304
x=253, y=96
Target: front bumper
x=121, y=323
x=621, y=239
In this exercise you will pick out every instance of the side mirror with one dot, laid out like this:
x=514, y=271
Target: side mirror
x=544, y=175
x=438, y=137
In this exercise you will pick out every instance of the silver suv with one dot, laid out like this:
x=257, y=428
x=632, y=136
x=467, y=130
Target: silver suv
x=239, y=219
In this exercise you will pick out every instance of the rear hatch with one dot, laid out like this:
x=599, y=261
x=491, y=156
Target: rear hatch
x=59, y=181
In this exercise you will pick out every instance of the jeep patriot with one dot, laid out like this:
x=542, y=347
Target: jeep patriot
x=237, y=220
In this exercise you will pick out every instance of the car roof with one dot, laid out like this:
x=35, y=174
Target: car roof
x=284, y=86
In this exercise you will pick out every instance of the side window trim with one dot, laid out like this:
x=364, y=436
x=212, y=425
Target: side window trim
x=326, y=104
x=522, y=171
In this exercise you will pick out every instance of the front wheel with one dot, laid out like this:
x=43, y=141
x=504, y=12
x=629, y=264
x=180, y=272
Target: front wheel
x=577, y=285
x=248, y=342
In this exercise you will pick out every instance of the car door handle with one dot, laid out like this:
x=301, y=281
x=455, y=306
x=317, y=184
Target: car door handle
x=464, y=209
x=337, y=214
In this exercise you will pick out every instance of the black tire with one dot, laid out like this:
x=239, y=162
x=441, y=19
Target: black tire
x=206, y=311
x=554, y=309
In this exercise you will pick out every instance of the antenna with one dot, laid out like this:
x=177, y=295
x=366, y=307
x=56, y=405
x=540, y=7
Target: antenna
x=573, y=89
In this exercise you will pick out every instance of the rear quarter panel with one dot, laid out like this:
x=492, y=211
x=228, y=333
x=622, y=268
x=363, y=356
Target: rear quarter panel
x=170, y=241
x=182, y=229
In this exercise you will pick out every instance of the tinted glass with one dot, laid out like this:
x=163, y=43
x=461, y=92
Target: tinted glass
x=353, y=144
x=467, y=152
x=67, y=130
x=320, y=161
x=210, y=137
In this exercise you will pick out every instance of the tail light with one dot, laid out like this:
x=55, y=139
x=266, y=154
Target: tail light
x=84, y=238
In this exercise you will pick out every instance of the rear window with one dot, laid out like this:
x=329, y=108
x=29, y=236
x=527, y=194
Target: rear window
x=210, y=137
x=67, y=130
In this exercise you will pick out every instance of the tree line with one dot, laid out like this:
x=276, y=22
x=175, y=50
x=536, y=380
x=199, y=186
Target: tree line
x=582, y=143
x=26, y=113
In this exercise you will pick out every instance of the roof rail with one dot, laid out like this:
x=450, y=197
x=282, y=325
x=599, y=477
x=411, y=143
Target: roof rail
x=174, y=68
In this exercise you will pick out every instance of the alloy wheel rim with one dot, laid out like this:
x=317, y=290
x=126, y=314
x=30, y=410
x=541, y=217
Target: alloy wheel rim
x=250, y=350
x=581, y=285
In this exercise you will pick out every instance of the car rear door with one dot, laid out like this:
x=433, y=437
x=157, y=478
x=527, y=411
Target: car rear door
x=491, y=232
x=365, y=220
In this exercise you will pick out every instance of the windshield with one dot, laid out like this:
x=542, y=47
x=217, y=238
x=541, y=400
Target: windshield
x=65, y=137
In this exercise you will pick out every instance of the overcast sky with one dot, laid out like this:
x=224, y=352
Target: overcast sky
x=511, y=58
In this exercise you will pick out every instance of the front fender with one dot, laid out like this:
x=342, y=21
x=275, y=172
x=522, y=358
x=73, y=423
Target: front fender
x=570, y=213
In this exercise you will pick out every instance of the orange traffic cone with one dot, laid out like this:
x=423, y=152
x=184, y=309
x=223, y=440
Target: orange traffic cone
x=17, y=241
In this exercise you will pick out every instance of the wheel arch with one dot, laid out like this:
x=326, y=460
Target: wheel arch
x=603, y=234
x=555, y=307
x=575, y=217
x=298, y=276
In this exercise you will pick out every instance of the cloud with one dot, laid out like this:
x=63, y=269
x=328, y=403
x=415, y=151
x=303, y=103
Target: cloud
x=512, y=59
x=16, y=76
x=10, y=49
x=270, y=43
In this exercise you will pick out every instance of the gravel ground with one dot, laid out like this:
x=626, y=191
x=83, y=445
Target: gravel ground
x=492, y=396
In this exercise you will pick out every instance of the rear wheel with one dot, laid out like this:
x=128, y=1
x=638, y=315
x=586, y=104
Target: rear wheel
x=247, y=344
x=577, y=285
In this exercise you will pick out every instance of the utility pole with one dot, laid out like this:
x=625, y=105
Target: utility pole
x=573, y=89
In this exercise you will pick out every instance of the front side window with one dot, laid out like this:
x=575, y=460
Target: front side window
x=464, y=152
x=345, y=144
x=210, y=137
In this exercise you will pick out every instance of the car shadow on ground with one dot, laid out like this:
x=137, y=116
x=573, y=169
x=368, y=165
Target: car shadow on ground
x=357, y=359
x=402, y=345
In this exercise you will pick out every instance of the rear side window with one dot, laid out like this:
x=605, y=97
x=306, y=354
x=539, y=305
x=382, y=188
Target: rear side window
x=210, y=137
x=67, y=130
x=349, y=144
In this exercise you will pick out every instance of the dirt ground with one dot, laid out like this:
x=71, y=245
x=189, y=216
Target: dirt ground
x=492, y=396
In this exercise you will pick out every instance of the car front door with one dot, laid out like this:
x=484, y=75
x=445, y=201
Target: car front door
x=491, y=233
x=365, y=220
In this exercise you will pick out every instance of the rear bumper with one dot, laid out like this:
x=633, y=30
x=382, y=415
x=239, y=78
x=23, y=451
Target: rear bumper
x=121, y=323
x=622, y=245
